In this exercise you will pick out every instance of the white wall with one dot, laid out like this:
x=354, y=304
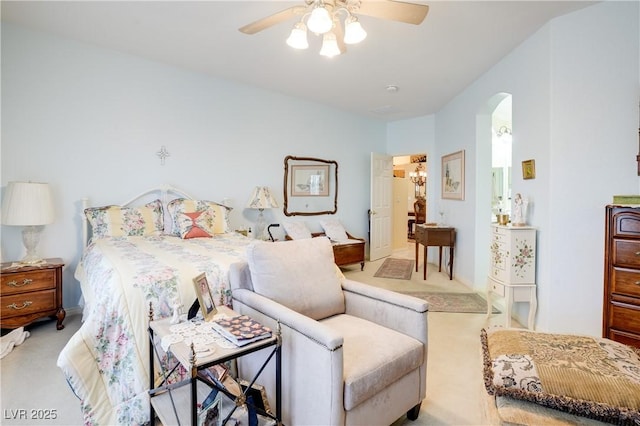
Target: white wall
x=89, y=121
x=575, y=87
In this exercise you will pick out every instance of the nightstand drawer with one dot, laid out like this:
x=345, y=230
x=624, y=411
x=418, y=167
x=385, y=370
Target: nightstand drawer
x=27, y=303
x=21, y=282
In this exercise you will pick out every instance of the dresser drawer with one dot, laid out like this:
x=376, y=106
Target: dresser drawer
x=21, y=282
x=27, y=303
x=626, y=253
x=626, y=317
x=626, y=223
x=625, y=281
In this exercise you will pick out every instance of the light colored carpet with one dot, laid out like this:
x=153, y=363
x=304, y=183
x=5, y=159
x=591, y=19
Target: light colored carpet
x=471, y=303
x=399, y=269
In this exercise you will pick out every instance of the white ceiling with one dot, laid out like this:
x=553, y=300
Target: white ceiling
x=430, y=63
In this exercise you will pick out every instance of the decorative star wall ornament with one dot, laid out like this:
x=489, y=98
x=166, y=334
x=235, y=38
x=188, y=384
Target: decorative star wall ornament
x=163, y=154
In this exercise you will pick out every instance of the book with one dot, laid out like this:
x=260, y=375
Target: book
x=241, y=329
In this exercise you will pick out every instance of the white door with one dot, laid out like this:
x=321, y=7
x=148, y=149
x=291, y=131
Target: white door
x=381, y=206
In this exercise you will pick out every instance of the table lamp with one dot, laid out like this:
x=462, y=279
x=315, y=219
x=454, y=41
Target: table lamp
x=261, y=199
x=28, y=204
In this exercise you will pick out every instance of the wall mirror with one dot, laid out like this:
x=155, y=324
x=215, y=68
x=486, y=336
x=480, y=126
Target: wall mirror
x=310, y=186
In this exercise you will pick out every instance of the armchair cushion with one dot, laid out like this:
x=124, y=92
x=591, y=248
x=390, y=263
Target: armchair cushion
x=298, y=274
x=374, y=357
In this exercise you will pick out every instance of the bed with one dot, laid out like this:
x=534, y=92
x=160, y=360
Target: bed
x=140, y=254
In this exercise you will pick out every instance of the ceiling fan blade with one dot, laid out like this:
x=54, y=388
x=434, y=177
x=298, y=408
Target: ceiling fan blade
x=409, y=13
x=339, y=32
x=276, y=18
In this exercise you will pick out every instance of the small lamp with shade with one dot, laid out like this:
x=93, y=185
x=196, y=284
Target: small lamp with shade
x=28, y=204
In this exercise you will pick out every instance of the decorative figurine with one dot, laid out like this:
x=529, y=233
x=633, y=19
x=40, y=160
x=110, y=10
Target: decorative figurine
x=519, y=210
x=177, y=307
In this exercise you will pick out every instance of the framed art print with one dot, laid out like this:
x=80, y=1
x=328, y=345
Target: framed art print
x=529, y=169
x=310, y=181
x=205, y=298
x=453, y=176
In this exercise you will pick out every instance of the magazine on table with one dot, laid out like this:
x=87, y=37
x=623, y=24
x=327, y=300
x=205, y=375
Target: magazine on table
x=241, y=329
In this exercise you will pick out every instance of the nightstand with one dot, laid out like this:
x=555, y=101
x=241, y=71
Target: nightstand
x=31, y=292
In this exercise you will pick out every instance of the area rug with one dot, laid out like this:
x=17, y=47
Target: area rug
x=399, y=269
x=454, y=302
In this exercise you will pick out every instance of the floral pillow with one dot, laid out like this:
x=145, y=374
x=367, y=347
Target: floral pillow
x=219, y=213
x=117, y=221
x=334, y=230
x=196, y=224
x=296, y=230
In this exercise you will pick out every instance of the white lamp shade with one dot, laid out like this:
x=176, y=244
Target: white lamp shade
x=298, y=37
x=353, y=31
x=27, y=204
x=329, y=45
x=320, y=20
x=262, y=199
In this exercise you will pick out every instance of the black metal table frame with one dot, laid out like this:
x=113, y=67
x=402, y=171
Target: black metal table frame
x=275, y=341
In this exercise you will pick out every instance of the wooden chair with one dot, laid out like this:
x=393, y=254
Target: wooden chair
x=419, y=215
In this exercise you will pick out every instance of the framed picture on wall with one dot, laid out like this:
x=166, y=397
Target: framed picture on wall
x=309, y=181
x=529, y=169
x=453, y=176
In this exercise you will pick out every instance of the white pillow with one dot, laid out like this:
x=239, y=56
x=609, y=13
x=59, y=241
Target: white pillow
x=296, y=230
x=334, y=230
x=299, y=274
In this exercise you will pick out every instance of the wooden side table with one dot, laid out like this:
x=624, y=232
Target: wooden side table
x=436, y=236
x=31, y=292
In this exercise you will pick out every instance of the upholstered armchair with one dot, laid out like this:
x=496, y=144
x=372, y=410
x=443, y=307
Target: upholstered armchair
x=352, y=353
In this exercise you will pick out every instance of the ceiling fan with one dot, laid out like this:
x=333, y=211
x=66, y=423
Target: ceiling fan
x=324, y=17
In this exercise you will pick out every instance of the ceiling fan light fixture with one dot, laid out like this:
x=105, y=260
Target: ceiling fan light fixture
x=329, y=45
x=353, y=31
x=298, y=37
x=320, y=21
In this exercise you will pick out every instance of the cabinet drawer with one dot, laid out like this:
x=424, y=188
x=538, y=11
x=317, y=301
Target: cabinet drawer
x=624, y=337
x=626, y=223
x=625, y=281
x=626, y=253
x=27, y=303
x=625, y=317
x=21, y=282
x=496, y=288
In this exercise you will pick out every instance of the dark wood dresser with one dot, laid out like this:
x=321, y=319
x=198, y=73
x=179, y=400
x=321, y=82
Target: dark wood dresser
x=621, y=310
x=31, y=292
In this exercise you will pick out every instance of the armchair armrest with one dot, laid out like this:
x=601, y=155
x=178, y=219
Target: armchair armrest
x=311, y=329
x=312, y=360
x=400, y=312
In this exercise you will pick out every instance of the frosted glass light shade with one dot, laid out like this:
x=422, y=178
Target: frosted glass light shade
x=329, y=46
x=353, y=31
x=27, y=204
x=320, y=20
x=298, y=37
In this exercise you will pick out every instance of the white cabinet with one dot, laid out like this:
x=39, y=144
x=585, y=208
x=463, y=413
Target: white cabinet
x=512, y=273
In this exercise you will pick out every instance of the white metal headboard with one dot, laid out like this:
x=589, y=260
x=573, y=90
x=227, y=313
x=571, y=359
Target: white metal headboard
x=165, y=193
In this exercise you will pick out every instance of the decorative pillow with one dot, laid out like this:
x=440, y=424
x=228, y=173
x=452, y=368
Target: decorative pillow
x=296, y=230
x=219, y=212
x=334, y=230
x=586, y=376
x=117, y=221
x=299, y=274
x=196, y=224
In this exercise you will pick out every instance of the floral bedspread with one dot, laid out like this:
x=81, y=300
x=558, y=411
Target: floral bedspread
x=106, y=361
